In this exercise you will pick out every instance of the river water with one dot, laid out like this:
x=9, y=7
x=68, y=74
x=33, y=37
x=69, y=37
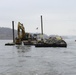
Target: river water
x=28, y=60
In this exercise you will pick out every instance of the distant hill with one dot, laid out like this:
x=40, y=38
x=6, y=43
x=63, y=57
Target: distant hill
x=6, y=33
x=64, y=36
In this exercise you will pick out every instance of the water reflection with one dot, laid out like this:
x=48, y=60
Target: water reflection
x=22, y=48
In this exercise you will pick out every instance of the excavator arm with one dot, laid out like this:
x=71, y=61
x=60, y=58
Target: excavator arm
x=21, y=31
x=21, y=34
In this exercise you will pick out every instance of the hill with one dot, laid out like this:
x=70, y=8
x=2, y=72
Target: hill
x=6, y=33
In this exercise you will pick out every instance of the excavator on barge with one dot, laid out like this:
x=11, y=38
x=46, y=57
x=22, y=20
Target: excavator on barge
x=23, y=36
x=28, y=39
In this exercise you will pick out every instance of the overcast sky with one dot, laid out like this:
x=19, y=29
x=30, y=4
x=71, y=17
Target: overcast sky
x=59, y=16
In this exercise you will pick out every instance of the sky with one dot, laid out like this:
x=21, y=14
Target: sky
x=59, y=16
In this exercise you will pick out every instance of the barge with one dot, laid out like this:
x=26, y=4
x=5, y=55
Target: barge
x=50, y=45
x=52, y=42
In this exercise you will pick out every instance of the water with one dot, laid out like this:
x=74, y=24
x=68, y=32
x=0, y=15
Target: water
x=28, y=60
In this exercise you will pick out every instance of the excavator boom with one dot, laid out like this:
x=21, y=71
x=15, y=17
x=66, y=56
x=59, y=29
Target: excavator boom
x=21, y=34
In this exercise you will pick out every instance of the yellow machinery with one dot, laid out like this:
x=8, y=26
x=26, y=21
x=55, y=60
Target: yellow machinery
x=21, y=34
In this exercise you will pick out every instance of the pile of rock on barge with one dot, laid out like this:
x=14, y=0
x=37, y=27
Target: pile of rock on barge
x=52, y=42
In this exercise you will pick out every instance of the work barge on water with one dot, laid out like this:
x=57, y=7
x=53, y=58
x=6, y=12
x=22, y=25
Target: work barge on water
x=29, y=39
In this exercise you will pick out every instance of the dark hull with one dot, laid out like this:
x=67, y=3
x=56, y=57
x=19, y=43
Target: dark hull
x=9, y=44
x=51, y=45
x=28, y=44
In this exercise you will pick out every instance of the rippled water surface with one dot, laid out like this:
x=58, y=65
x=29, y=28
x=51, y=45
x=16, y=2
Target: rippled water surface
x=28, y=60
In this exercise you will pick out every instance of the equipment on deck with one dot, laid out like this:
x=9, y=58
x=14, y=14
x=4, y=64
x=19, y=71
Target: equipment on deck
x=22, y=35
